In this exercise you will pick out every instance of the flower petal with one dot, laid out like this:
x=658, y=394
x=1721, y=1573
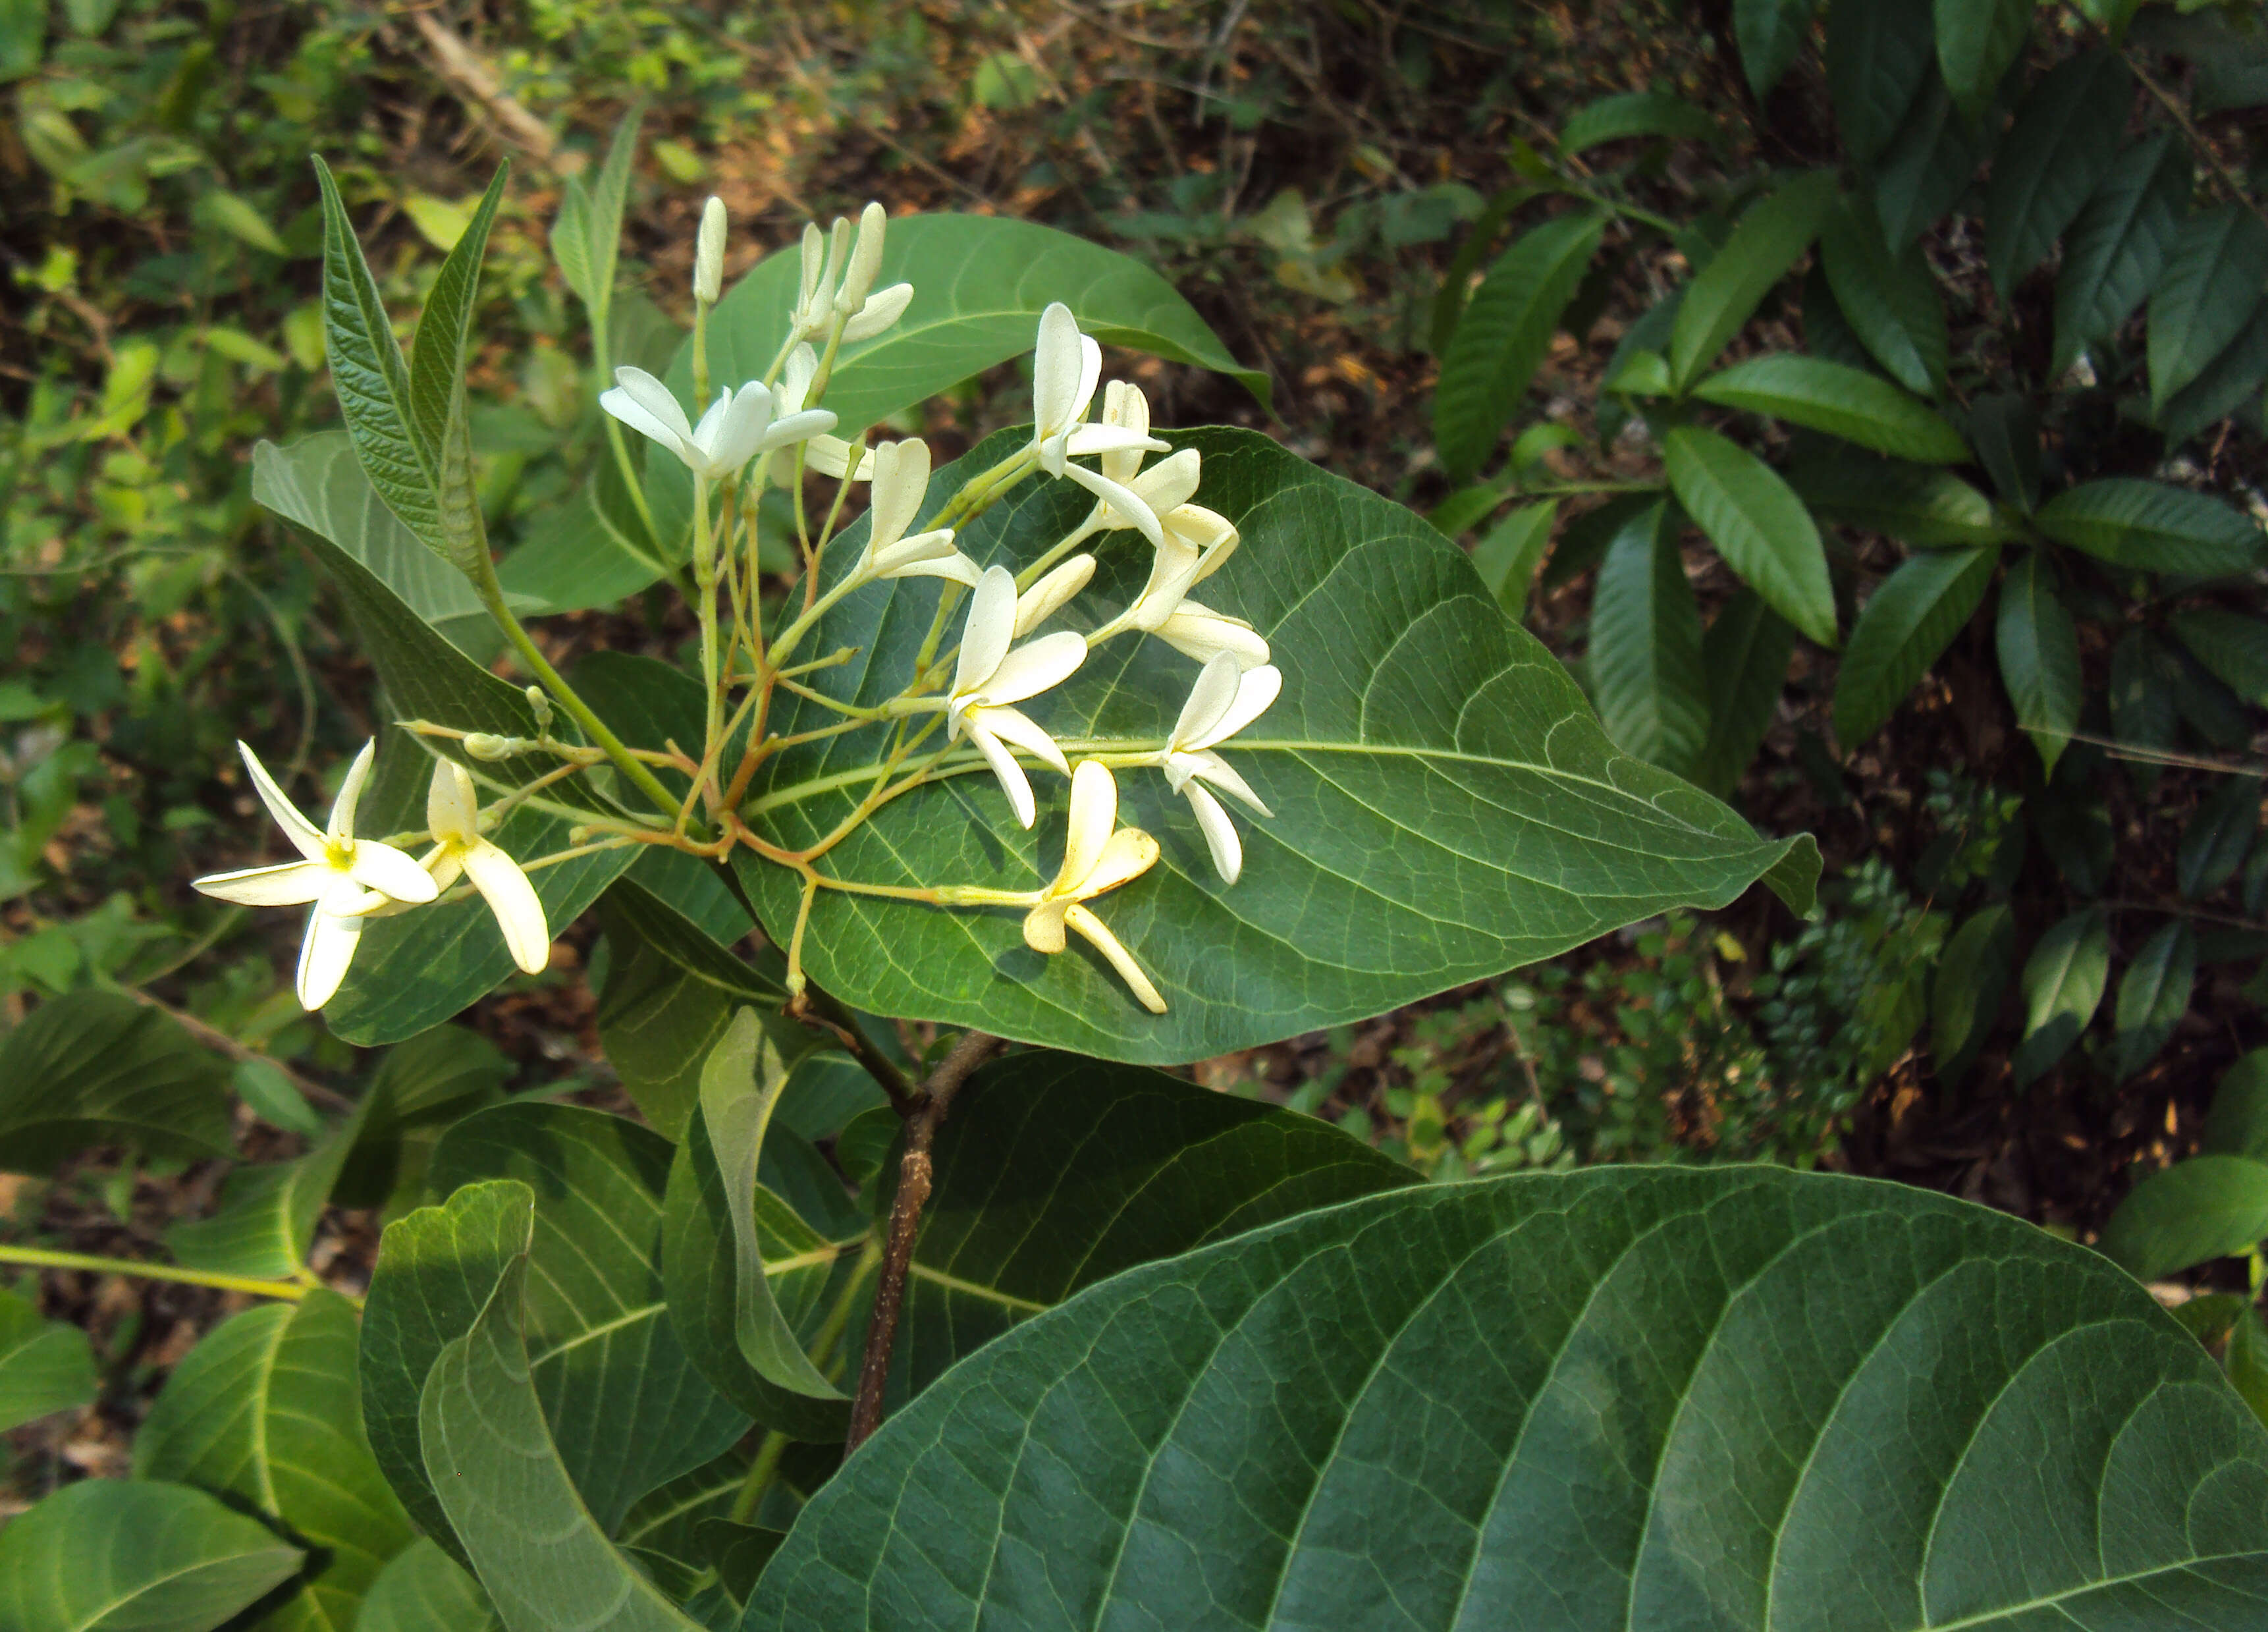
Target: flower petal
x=1043, y=600
x=1210, y=701
x=290, y=884
x=391, y=873
x=1044, y=927
x=900, y=484
x=1168, y=484
x=1223, y=776
x=830, y=455
x=325, y=951
x=519, y=912
x=801, y=427
x=343, y=808
x=1080, y=440
x=991, y=625
x=1130, y=853
x=1220, y=831
x=1255, y=694
x=1124, y=501
x=1093, y=814
x=445, y=862
x=1057, y=362
x=883, y=308
x=953, y=564
x=1202, y=633
x=1018, y=727
x=305, y=837
x=744, y=428
x=1211, y=534
x=1013, y=782
x=1090, y=375
x=452, y=808
x=631, y=413
x=1120, y=959
x=1034, y=667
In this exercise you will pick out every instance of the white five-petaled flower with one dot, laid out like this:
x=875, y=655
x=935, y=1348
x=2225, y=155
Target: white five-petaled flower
x=901, y=482
x=1098, y=855
x=344, y=878
x=737, y=427
x=989, y=677
x=453, y=815
x=1066, y=366
x=821, y=299
x=1193, y=545
x=1224, y=701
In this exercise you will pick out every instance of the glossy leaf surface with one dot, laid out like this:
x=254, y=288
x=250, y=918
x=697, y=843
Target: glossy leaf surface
x=1842, y=402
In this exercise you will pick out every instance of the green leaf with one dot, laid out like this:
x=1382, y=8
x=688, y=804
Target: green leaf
x=2153, y=994
x=1890, y=300
x=1965, y=994
x=1930, y=509
x=2218, y=837
x=45, y=1365
x=2238, y=1124
x=543, y=1558
x=2233, y=646
x=2189, y=1214
x=1773, y=233
x=1879, y=56
x=1757, y=523
x=1771, y=34
x=435, y=1268
x=1449, y=302
x=1645, y=656
x=1638, y=113
x=233, y=214
x=1744, y=657
x=421, y=1086
x=626, y=1405
x=267, y=1216
x=1929, y=166
x=1784, y=1399
x=2130, y=523
x=2062, y=146
x=110, y=1556
x=2006, y=429
x=265, y=1412
x=1508, y=556
x=2206, y=296
x=1506, y=328
x=2038, y=646
x=23, y=38
x=1842, y=401
x=2229, y=385
x=437, y=357
x=2118, y=246
x=587, y=234
x=2063, y=987
x=2143, y=708
x=94, y=1069
x=739, y=1553
x=1977, y=42
x=668, y=1517
x=424, y=1589
x=1420, y=763
x=1908, y=624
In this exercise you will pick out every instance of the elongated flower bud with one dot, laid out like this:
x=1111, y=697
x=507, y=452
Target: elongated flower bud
x=709, y=253
x=866, y=262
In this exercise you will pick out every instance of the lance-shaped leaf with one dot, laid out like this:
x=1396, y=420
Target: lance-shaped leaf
x=1976, y=42
x=444, y=328
x=1756, y=522
x=2209, y=290
x=1770, y=238
x=114, y=1555
x=2238, y=1123
x=1621, y=1399
x=1927, y=508
x=2063, y=144
x=587, y=234
x=542, y=1556
x=2153, y=994
x=425, y=1590
x=2148, y=525
x=266, y=1412
x=2120, y=243
x=1890, y=299
x=2230, y=384
x=94, y=1068
x=1971, y=977
x=1908, y=624
x=1929, y=165
x=45, y=1365
x=2218, y=836
x=2038, y=646
x=1770, y=33
x=1842, y=401
x=2063, y=987
x=1879, y=56
x=1506, y=328
x=2211, y=1207
x=1744, y=657
x=1635, y=114
x=1645, y=656
x=1445, y=805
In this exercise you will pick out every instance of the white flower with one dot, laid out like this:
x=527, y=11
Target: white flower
x=989, y=677
x=881, y=311
x=452, y=814
x=1200, y=632
x=342, y=875
x=1224, y=701
x=709, y=253
x=829, y=455
x=1193, y=545
x=1043, y=600
x=737, y=427
x=1066, y=366
x=901, y=482
x=821, y=300
x=1098, y=855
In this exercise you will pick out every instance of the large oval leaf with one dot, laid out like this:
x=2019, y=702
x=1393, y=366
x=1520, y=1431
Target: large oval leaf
x=1624, y=1399
x=111, y=1555
x=1445, y=807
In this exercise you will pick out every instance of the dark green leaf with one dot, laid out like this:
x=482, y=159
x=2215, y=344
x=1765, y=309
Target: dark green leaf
x=2039, y=657
x=738, y=1552
x=2143, y=708
x=2135, y=523
x=2218, y=837
x=1929, y=166
x=45, y=1365
x=1506, y=328
x=1783, y=1399
x=1756, y=522
x=1465, y=265
x=1879, y=56
x=1744, y=659
x=1772, y=235
x=666, y=1519
x=2062, y=145
x=1977, y=42
x=92, y=1068
x=2238, y=1125
x=1842, y=401
x=1770, y=33
x=1889, y=300
x=1638, y=113
x=1965, y=993
x=1908, y=622
x=1930, y=509
x=2207, y=1207
x=1827, y=331
x=2006, y=429
x=2230, y=384
x=1507, y=557
x=114, y=1556
x=265, y=1412
x=2233, y=646
x=421, y=1086
x=425, y=1590
x=2063, y=987
x=1645, y=656
x=2153, y=994
x=2209, y=290
x=2118, y=246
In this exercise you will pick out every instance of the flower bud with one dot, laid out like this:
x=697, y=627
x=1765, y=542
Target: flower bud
x=486, y=745
x=814, y=258
x=709, y=253
x=539, y=703
x=866, y=262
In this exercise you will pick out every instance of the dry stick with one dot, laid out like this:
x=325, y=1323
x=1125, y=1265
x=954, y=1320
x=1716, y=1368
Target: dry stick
x=914, y=1175
x=213, y=1037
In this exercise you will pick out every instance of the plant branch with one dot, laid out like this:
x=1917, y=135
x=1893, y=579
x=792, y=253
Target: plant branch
x=40, y=1257
x=913, y=1178
x=826, y=1009
x=2199, y=144
x=213, y=1037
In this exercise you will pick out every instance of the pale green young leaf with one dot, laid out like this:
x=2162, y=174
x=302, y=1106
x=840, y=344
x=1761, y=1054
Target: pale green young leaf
x=2153, y=994
x=2062, y=146
x=1846, y=402
x=2119, y=245
x=425, y=1590
x=2038, y=646
x=1744, y=658
x=437, y=356
x=266, y=1217
x=1644, y=655
x=2195, y=1211
x=120, y=1556
x=2131, y=522
x=1977, y=42
x=1505, y=331
x=587, y=235
x=45, y=1365
x=1771, y=235
x=93, y=1069
x=1756, y=522
x=1890, y=300
x=1508, y=556
x=2062, y=985
x=1907, y=624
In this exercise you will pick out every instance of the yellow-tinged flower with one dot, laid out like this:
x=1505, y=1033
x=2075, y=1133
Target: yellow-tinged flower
x=452, y=814
x=989, y=677
x=1098, y=855
x=1066, y=366
x=343, y=877
x=901, y=477
x=1224, y=701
